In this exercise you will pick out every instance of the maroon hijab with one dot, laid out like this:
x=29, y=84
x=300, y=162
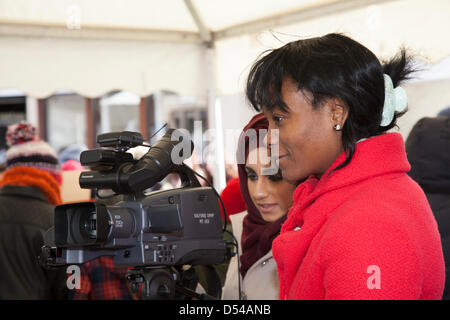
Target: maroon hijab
x=257, y=234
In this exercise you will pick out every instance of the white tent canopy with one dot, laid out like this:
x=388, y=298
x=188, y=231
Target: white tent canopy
x=93, y=47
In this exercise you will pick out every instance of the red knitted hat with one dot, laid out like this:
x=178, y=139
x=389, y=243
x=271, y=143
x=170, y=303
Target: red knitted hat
x=28, y=151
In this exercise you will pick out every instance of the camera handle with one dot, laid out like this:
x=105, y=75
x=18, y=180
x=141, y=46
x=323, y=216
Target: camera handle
x=188, y=178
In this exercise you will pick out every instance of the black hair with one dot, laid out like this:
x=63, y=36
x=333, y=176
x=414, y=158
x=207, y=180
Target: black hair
x=332, y=66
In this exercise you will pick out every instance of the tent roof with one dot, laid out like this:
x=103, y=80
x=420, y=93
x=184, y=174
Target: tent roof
x=121, y=98
x=93, y=47
x=170, y=15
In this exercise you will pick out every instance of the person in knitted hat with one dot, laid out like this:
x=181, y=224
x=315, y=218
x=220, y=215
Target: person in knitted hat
x=29, y=191
x=31, y=162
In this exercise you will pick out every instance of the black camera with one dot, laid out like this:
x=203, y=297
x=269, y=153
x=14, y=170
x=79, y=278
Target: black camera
x=149, y=231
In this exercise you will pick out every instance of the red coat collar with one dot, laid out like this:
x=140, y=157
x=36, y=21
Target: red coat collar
x=373, y=157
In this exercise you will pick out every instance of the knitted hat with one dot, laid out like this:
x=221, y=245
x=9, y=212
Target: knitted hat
x=71, y=165
x=26, y=150
x=445, y=112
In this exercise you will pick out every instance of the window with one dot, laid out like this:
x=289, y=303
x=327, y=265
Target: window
x=66, y=120
x=119, y=111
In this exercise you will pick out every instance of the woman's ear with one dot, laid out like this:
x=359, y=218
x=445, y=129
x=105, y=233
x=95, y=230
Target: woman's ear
x=339, y=112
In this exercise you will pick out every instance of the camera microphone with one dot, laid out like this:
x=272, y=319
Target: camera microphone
x=130, y=176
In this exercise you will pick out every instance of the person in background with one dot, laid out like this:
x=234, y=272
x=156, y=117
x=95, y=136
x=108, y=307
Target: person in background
x=72, y=165
x=230, y=172
x=202, y=169
x=171, y=181
x=444, y=112
x=70, y=152
x=232, y=198
x=428, y=150
x=268, y=199
x=102, y=280
x=30, y=189
x=360, y=227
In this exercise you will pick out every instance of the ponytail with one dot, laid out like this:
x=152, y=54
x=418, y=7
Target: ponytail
x=399, y=69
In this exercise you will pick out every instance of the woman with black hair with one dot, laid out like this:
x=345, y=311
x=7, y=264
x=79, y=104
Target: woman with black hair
x=359, y=227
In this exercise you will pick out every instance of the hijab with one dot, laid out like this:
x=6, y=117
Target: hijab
x=257, y=234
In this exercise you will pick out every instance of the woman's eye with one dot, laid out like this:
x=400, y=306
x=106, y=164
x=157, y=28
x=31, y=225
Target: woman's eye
x=277, y=119
x=276, y=177
x=252, y=176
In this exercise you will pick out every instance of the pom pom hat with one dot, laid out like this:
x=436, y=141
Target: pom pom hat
x=28, y=151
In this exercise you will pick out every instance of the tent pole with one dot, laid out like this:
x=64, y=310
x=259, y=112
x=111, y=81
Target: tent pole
x=215, y=124
x=205, y=34
x=214, y=110
x=42, y=119
x=90, y=134
x=143, y=118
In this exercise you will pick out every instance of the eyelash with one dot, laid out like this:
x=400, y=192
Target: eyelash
x=274, y=178
x=277, y=119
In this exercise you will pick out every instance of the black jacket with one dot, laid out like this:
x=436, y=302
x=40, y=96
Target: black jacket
x=25, y=215
x=428, y=150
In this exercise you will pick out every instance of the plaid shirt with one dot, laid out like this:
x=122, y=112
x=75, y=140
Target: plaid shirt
x=101, y=280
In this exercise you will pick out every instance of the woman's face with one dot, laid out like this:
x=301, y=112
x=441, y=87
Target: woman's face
x=271, y=194
x=307, y=143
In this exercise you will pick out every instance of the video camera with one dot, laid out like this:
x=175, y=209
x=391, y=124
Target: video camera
x=156, y=233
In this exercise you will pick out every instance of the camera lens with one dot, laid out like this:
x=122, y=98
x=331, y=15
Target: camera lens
x=89, y=224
